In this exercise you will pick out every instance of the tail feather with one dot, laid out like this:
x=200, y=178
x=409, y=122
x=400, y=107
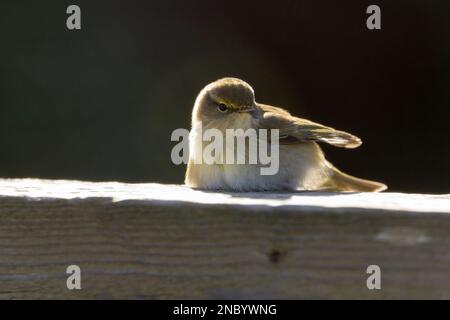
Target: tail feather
x=340, y=181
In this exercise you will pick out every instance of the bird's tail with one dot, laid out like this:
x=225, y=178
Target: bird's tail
x=339, y=181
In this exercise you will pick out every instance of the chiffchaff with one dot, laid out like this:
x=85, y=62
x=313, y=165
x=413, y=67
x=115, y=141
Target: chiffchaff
x=229, y=103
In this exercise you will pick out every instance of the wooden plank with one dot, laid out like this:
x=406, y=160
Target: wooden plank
x=166, y=241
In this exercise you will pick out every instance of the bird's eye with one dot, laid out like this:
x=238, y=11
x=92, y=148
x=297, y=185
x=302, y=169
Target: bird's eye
x=222, y=107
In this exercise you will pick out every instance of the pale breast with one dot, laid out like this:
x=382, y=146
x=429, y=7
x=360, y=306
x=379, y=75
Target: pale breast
x=301, y=166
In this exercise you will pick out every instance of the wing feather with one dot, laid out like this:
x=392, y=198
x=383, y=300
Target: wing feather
x=296, y=130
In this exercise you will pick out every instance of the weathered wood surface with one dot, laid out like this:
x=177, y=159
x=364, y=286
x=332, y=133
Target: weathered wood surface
x=166, y=241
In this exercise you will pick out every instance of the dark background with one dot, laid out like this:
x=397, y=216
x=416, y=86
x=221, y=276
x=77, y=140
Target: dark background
x=100, y=103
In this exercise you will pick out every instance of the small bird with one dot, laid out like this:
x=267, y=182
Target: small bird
x=229, y=103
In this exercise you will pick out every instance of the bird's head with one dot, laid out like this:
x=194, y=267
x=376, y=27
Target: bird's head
x=224, y=99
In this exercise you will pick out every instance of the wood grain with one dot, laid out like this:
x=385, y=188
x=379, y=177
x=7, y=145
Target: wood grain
x=150, y=241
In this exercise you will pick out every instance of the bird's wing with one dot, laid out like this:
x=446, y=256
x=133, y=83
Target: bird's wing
x=296, y=130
